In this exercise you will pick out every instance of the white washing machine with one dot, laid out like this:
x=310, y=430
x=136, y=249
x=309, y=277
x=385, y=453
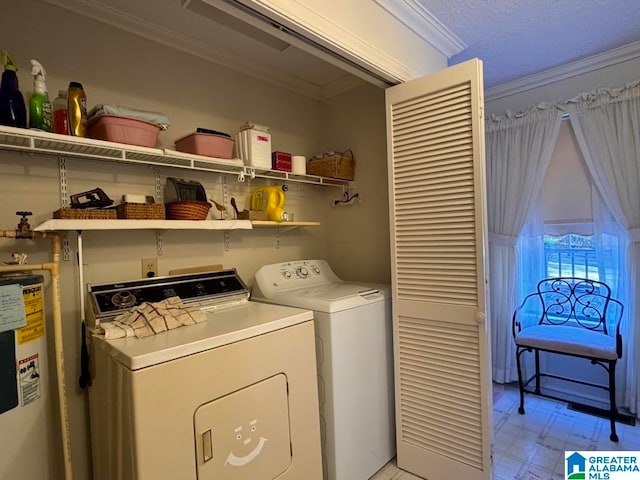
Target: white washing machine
x=231, y=398
x=355, y=362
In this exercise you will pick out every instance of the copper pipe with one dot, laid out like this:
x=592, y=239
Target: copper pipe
x=54, y=270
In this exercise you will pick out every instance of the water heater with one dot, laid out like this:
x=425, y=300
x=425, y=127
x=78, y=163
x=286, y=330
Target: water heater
x=26, y=419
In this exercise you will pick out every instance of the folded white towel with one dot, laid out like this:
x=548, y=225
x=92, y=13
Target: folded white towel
x=152, y=318
x=153, y=117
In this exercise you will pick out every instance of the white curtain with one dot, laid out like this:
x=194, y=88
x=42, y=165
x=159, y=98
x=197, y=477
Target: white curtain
x=518, y=151
x=607, y=128
x=530, y=251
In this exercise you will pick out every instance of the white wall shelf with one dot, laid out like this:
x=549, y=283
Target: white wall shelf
x=62, y=225
x=267, y=223
x=31, y=141
x=63, y=146
x=66, y=225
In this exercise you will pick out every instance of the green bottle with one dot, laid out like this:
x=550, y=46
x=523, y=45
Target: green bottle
x=40, y=111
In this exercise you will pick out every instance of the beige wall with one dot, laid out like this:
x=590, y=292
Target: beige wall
x=118, y=68
x=359, y=244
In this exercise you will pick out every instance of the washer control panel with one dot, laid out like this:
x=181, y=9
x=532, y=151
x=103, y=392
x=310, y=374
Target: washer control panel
x=296, y=274
x=303, y=269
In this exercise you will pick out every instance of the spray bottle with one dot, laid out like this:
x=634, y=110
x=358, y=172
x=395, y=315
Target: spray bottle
x=12, y=108
x=40, y=113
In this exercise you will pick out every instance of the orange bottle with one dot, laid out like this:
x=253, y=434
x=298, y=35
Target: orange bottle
x=77, y=110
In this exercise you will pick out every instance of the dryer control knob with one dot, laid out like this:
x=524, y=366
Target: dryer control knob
x=316, y=270
x=123, y=299
x=286, y=274
x=302, y=272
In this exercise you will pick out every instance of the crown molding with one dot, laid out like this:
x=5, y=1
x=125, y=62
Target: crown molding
x=420, y=21
x=556, y=74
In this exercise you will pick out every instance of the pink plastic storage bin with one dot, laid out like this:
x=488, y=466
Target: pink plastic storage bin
x=124, y=130
x=207, y=144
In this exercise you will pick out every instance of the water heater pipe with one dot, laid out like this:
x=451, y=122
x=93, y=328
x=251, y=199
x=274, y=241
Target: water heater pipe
x=54, y=270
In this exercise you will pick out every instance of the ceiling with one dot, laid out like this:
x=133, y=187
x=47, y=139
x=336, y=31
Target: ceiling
x=513, y=38
x=517, y=38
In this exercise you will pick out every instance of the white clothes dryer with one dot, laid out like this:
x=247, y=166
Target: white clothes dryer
x=353, y=326
x=233, y=397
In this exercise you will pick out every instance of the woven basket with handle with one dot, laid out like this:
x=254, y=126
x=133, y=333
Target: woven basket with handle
x=339, y=165
x=187, y=210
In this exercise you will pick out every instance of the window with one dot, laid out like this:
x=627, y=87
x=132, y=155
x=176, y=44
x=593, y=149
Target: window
x=570, y=256
x=569, y=233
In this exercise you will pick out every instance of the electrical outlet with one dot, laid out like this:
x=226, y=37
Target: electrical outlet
x=149, y=267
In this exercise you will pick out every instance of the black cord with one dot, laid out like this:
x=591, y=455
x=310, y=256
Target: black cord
x=85, y=374
x=347, y=198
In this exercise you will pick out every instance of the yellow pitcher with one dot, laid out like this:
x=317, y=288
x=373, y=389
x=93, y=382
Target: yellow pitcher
x=271, y=201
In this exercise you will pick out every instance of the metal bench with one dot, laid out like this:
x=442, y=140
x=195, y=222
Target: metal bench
x=575, y=317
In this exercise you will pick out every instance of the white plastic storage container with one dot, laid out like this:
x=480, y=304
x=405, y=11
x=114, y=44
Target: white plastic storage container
x=254, y=148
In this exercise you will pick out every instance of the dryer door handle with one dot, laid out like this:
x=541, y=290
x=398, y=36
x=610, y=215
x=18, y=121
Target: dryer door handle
x=207, y=446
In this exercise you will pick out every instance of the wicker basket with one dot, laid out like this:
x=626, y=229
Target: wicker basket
x=341, y=166
x=187, y=210
x=252, y=215
x=84, y=214
x=141, y=211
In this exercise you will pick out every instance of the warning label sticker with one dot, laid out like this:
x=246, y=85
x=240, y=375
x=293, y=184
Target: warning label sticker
x=29, y=369
x=34, y=309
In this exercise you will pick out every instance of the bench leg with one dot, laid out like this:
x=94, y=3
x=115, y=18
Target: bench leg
x=538, y=372
x=520, y=382
x=612, y=400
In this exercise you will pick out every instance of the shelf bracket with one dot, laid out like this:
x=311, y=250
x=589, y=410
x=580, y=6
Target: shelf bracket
x=284, y=230
x=62, y=175
x=159, y=242
x=64, y=203
x=66, y=249
x=159, y=198
x=241, y=176
x=158, y=185
x=249, y=171
x=225, y=196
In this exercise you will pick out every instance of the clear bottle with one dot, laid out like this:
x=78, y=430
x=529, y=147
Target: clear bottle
x=61, y=113
x=77, y=110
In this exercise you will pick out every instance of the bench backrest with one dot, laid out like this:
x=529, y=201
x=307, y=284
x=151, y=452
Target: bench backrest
x=569, y=299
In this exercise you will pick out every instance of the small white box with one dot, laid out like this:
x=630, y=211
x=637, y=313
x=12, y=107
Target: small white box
x=134, y=198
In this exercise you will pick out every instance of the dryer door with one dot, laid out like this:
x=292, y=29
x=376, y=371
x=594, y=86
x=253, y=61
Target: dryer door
x=245, y=434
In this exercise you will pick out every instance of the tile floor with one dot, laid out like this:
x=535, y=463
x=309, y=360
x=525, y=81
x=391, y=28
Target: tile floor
x=531, y=446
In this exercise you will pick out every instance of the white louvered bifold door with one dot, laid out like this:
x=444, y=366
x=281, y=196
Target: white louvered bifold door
x=435, y=135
